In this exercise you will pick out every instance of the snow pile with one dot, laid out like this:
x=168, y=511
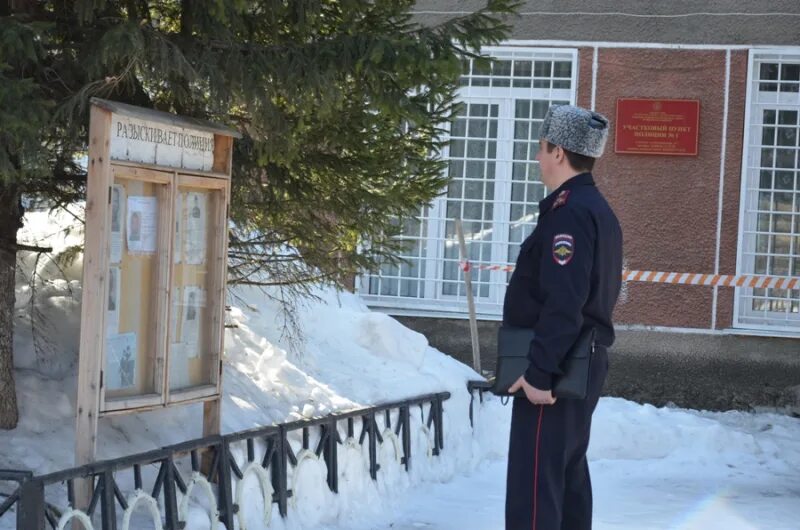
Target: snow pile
x=48, y=293
x=652, y=469
x=343, y=357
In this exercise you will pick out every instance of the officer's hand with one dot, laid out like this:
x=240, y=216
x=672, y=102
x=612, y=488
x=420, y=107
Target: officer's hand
x=534, y=395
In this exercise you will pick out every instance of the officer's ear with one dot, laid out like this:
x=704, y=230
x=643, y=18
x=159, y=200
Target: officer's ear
x=559, y=153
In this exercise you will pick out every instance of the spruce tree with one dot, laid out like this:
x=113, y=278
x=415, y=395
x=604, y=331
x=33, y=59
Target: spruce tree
x=341, y=104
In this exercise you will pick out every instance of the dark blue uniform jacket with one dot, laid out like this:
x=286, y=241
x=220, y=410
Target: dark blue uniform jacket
x=568, y=275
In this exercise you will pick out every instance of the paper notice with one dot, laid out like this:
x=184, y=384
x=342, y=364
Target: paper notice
x=180, y=221
x=195, y=233
x=117, y=215
x=112, y=306
x=193, y=302
x=121, y=361
x=142, y=226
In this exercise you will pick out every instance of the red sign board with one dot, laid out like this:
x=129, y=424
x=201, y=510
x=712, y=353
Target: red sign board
x=657, y=126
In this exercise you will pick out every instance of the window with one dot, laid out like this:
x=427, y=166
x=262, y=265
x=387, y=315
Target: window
x=494, y=189
x=770, y=231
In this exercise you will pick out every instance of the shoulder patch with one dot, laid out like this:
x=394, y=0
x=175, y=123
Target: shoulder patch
x=563, y=248
x=561, y=200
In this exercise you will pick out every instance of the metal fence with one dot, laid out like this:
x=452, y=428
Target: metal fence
x=154, y=478
x=482, y=387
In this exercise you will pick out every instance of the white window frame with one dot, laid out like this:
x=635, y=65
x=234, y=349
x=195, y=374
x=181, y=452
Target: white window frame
x=434, y=302
x=744, y=317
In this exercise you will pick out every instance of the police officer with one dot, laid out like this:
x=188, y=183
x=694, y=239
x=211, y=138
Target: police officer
x=567, y=277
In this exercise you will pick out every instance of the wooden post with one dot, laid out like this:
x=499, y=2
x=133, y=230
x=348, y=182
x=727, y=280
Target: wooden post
x=473, y=323
x=160, y=297
x=218, y=271
x=93, y=310
x=212, y=410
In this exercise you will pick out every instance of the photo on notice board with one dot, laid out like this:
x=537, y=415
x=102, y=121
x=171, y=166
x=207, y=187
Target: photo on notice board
x=136, y=226
x=113, y=304
x=177, y=246
x=117, y=216
x=142, y=225
x=193, y=303
x=195, y=230
x=121, y=361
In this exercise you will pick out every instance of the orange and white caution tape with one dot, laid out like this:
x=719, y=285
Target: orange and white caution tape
x=467, y=266
x=713, y=280
x=681, y=278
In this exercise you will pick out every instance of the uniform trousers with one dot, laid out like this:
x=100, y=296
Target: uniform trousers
x=548, y=485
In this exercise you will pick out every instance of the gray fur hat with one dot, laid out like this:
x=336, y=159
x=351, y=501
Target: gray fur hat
x=575, y=129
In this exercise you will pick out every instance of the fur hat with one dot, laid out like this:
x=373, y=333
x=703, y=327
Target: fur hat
x=576, y=129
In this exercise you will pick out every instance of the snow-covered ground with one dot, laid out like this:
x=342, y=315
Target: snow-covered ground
x=652, y=468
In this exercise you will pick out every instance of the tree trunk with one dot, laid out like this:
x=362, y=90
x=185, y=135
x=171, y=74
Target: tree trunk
x=10, y=222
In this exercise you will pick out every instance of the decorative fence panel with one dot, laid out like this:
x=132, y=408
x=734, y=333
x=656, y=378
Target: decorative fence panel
x=157, y=487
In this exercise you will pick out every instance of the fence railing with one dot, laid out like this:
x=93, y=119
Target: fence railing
x=153, y=479
x=482, y=387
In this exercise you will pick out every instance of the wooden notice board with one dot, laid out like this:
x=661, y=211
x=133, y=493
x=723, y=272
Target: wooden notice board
x=152, y=317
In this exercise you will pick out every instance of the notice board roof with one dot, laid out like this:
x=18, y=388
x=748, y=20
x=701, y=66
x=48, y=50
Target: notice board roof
x=163, y=117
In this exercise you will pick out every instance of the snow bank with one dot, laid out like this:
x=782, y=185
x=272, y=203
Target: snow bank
x=342, y=357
